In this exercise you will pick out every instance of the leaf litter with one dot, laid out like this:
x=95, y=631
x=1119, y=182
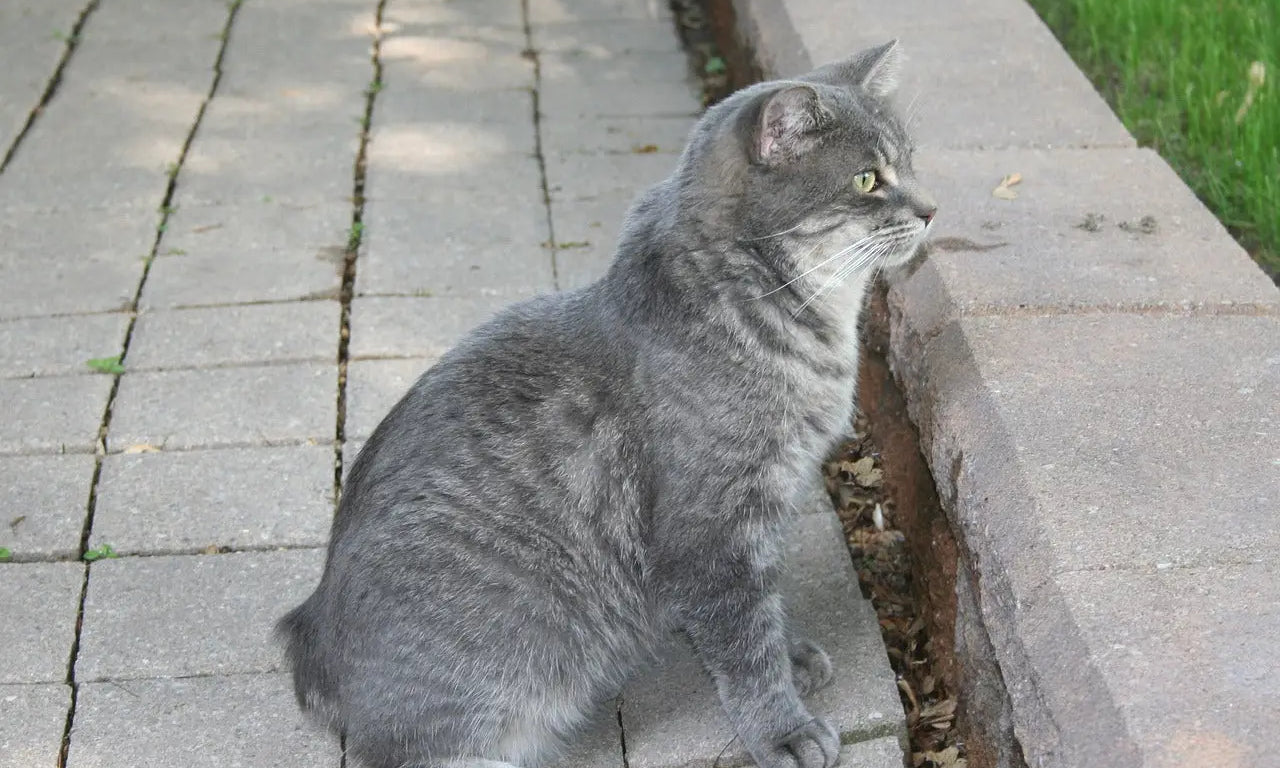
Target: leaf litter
x=854, y=478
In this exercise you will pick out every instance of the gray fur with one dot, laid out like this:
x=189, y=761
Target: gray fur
x=590, y=471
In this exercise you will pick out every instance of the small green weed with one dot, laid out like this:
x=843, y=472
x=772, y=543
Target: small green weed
x=105, y=364
x=354, y=235
x=374, y=87
x=5, y=555
x=101, y=552
x=715, y=66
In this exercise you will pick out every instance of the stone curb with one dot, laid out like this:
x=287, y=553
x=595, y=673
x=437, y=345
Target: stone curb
x=1056, y=393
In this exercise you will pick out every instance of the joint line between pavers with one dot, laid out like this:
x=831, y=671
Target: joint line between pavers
x=51, y=88
x=105, y=425
x=539, y=155
x=354, y=240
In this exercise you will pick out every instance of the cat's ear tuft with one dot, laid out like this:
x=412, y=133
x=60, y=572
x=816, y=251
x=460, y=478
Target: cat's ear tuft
x=877, y=69
x=788, y=119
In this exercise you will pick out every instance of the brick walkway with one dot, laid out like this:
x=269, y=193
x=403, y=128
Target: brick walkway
x=187, y=186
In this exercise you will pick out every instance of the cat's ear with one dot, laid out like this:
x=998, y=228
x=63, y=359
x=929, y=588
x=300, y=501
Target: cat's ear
x=788, y=119
x=874, y=70
x=877, y=69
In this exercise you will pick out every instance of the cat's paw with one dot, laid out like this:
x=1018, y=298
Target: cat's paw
x=813, y=745
x=810, y=667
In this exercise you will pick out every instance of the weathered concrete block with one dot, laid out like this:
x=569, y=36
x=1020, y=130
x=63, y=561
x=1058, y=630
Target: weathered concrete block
x=33, y=53
x=187, y=501
x=1147, y=243
x=240, y=335
x=442, y=123
x=455, y=248
x=587, y=235
x=55, y=414
x=458, y=179
x=606, y=36
x=673, y=718
x=968, y=80
x=575, y=176
x=190, y=615
x=39, y=604
x=230, y=164
x=420, y=57
x=373, y=386
x=45, y=501
x=598, y=67
x=226, y=406
x=210, y=722
x=455, y=20
x=565, y=11
x=32, y=721
x=578, y=101
x=409, y=326
x=616, y=135
x=50, y=346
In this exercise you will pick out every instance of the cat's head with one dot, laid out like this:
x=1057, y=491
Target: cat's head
x=816, y=171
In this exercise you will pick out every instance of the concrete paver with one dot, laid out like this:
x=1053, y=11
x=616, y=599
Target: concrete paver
x=558, y=11
x=1145, y=242
x=674, y=718
x=32, y=721
x=373, y=386
x=32, y=35
x=460, y=20
x=187, y=501
x=617, y=135
x=53, y=415
x=51, y=346
x=39, y=603
x=45, y=501
x=240, y=335
x=176, y=616
x=410, y=326
x=259, y=405
x=213, y=722
x=608, y=36
x=455, y=59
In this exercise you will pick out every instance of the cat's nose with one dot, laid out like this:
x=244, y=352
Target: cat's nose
x=927, y=214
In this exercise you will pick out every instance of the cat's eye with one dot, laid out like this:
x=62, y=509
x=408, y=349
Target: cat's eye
x=866, y=181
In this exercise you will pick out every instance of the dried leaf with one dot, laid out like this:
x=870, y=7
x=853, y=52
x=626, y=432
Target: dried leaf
x=1003, y=190
x=142, y=448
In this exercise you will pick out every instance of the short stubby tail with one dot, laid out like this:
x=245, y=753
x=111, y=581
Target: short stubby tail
x=313, y=684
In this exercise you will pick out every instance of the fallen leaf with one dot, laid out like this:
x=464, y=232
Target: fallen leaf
x=142, y=448
x=645, y=149
x=1003, y=190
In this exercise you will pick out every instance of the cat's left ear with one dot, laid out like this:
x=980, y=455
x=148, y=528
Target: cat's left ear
x=874, y=70
x=788, y=119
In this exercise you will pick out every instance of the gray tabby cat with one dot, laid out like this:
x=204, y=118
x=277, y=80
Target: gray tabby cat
x=590, y=471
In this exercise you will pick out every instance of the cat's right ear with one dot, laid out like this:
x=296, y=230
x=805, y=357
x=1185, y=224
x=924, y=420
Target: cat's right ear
x=789, y=118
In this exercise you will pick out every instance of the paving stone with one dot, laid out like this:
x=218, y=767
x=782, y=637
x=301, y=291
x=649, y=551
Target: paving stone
x=36, y=287
x=1157, y=636
x=226, y=406
x=169, y=616
x=673, y=718
x=32, y=721
x=574, y=176
x=560, y=11
x=459, y=18
x=1174, y=464
x=617, y=135
x=260, y=251
x=49, y=346
x=437, y=129
x=218, y=336
x=457, y=247
x=187, y=501
x=587, y=233
x=884, y=752
x=45, y=501
x=373, y=386
x=606, y=37
x=39, y=604
x=967, y=83
x=475, y=186
x=226, y=166
x=214, y=722
x=52, y=414
x=403, y=326
x=31, y=35
x=598, y=67
x=577, y=101
x=463, y=60
x=1052, y=248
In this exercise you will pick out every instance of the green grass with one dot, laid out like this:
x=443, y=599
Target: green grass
x=1196, y=80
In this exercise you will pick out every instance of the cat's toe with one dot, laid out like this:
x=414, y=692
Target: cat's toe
x=810, y=667
x=813, y=745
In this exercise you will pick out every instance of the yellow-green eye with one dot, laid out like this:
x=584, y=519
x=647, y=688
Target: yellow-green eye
x=866, y=181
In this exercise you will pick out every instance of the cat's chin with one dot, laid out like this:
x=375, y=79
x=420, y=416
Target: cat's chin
x=906, y=266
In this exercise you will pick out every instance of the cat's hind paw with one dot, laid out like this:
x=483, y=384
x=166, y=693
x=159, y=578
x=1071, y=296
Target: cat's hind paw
x=813, y=745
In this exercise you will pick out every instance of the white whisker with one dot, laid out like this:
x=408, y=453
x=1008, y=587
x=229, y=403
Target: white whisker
x=775, y=234
x=820, y=265
x=853, y=263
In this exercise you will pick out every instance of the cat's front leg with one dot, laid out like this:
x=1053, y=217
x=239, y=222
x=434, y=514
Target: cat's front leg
x=735, y=621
